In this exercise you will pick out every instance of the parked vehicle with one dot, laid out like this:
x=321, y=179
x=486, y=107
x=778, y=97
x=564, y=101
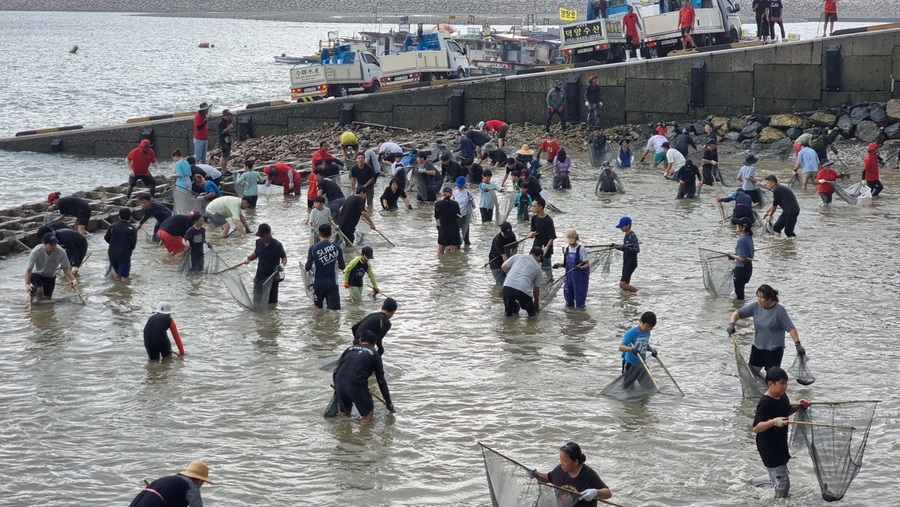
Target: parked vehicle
x=348, y=68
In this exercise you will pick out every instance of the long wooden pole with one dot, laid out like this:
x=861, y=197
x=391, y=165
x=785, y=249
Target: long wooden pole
x=644, y=364
x=670, y=376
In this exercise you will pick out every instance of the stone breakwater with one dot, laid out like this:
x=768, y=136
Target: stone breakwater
x=308, y=10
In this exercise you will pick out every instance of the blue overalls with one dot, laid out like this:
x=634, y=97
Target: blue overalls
x=576, y=285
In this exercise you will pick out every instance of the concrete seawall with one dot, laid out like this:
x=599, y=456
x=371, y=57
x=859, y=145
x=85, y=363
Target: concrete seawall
x=795, y=10
x=764, y=79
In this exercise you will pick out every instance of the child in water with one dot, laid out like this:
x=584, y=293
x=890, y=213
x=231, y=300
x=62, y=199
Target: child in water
x=488, y=197
x=523, y=202
x=625, y=156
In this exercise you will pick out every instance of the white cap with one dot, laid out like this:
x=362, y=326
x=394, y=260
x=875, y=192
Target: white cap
x=462, y=128
x=480, y=125
x=164, y=307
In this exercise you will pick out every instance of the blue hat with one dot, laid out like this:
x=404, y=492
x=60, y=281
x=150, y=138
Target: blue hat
x=461, y=181
x=50, y=239
x=623, y=222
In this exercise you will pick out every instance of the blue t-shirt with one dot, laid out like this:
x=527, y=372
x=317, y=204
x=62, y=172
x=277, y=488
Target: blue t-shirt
x=183, y=171
x=808, y=160
x=634, y=337
x=744, y=248
x=249, y=180
x=747, y=171
x=210, y=186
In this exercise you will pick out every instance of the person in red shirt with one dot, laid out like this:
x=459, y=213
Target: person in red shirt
x=686, y=18
x=284, y=174
x=201, y=133
x=630, y=25
x=323, y=154
x=829, y=11
x=497, y=129
x=661, y=129
x=826, y=177
x=550, y=145
x=313, y=183
x=139, y=161
x=870, y=169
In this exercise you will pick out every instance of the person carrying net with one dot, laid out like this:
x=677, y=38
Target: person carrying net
x=770, y=323
x=637, y=341
x=743, y=253
x=573, y=475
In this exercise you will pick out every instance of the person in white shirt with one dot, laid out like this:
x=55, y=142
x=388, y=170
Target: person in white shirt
x=466, y=202
x=674, y=161
x=654, y=146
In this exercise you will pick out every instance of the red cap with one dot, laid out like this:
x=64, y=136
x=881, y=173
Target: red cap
x=592, y=78
x=51, y=196
x=145, y=142
x=873, y=146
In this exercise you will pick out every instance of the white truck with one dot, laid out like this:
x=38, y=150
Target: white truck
x=425, y=57
x=346, y=69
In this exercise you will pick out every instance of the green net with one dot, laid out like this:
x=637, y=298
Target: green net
x=836, y=441
x=511, y=485
x=718, y=272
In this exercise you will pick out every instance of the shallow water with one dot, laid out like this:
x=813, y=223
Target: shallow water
x=86, y=417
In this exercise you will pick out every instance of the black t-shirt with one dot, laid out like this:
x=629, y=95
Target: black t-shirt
x=683, y=142
x=122, y=238
x=479, y=138
x=268, y=258
x=534, y=188
x=73, y=206
x=476, y=172
x=497, y=157
x=392, y=197
x=772, y=444
x=71, y=240
x=499, y=247
x=587, y=479
x=377, y=322
x=195, y=238
x=709, y=154
x=519, y=167
x=351, y=212
x=176, y=225
x=224, y=137
x=446, y=211
x=363, y=174
x=329, y=189
x=545, y=232
x=592, y=94
x=451, y=170
x=775, y=9
x=782, y=196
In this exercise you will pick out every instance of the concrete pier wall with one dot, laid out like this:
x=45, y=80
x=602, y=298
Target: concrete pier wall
x=764, y=79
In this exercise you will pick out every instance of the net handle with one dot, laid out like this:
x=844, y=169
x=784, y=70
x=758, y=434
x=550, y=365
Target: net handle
x=842, y=402
x=644, y=364
x=670, y=375
x=821, y=425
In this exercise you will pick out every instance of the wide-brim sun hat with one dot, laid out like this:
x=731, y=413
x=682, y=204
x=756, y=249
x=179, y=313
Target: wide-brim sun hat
x=489, y=147
x=751, y=159
x=204, y=106
x=166, y=308
x=526, y=150
x=197, y=470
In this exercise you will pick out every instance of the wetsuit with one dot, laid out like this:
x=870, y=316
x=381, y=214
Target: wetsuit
x=122, y=239
x=160, y=212
x=378, y=322
x=156, y=341
x=575, y=286
x=74, y=243
x=196, y=238
x=687, y=185
x=171, y=491
x=325, y=256
x=268, y=259
x=351, y=379
x=445, y=212
x=75, y=207
x=351, y=213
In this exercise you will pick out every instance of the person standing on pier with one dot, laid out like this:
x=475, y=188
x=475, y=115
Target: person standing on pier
x=686, y=17
x=556, y=105
x=225, y=128
x=74, y=207
x=43, y=261
x=829, y=12
x=201, y=132
x=139, y=161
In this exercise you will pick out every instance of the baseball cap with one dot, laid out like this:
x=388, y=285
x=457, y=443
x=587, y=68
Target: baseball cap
x=52, y=195
x=364, y=142
x=50, y=239
x=463, y=128
x=623, y=222
x=145, y=142
x=828, y=163
x=446, y=190
x=505, y=227
x=263, y=229
x=872, y=147
x=367, y=251
x=226, y=112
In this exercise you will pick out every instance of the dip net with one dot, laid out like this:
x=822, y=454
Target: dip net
x=634, y=384
x=184, y=201
x=800, y=371
x=598, y=260
x=753, y=384
x=857, y=191
x=718, y=272
x=602, y=153
x=237, y=280
x=511, y=485
x=209, y=265
x=836, y=440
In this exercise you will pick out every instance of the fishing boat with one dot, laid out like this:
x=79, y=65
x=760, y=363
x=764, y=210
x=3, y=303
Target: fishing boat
x=293, y=60
x=509, y=53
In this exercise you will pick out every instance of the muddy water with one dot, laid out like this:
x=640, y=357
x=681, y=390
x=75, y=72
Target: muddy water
x=85, y=417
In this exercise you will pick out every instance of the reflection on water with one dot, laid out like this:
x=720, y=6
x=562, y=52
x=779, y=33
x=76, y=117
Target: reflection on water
x=86, y=414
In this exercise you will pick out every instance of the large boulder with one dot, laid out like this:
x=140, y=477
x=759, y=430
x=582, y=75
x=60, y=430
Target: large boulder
x=893, y=109
x=878, y=115
x=868, y=131
x=770, y=135
x=784, y=147
x=700, y=128
x=787, y=121
x=793, y=133
x=846, y=124
x=738, y=124
x=720, y=125
x=751, y=130
x=733, y=136
x=759, y=118
x=892, y=131
x=859, y=113
x=822, y=119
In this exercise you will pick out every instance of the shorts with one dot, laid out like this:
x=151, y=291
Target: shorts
x=354, y=147
x=226, y=149
x=350, y=396
x=686, y=30
x=83, y=216
x=830, y=16
x=48, y=283
x=629, y=264
x=501, y=134
x=807, y=177
x=449, y=236
x=762, y=358
x=632, y=42
x=659, y=158
x=329, y=296
x=121, y=268
x=218, y=220
x=754, y=194
x=172, y=243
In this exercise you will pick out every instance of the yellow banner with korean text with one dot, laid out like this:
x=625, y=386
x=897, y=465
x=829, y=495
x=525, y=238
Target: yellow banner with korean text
x=568, y=15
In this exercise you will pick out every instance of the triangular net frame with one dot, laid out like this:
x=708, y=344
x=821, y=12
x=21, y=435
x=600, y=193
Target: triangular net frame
x=718, y=272
x=753, y=385
x=257, y=298
x=510, y=485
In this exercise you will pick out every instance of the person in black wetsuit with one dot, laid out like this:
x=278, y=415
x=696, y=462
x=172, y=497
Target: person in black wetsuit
x=351, y=378
x=179, y=490
x=195, y=238
x=378, y=323
x=325, y=256
x=790, y=208
x=73, y=207
x=122, y=239
x=154, y=209
x=353, y=209
x=75, y=244
x=156, y=339
x=270, y=252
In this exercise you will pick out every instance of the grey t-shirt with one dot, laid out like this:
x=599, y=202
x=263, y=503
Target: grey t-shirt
x=524, y=273
x=40, y=263
x=770, y=324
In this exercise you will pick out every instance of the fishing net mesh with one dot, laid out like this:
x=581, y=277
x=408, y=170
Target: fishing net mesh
x=511, y=486
x=634, y=384
x=800, y=371
x=859, y=191
x=257, y=299
x=184, y=201
x=837, y=447
x=718, y=272
x=753, y=384
x=598, y=259
x=844, y=195
x=209, y=266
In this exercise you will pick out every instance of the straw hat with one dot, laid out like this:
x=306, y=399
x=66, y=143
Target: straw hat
x=525, y=150
x=197, y=470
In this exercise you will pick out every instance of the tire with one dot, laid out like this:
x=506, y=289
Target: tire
x=461, y=73
x=376, y=85
x=619, y=53
x=707, y=41
x=653, y=52
x=342, y=91
x=733, y=35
